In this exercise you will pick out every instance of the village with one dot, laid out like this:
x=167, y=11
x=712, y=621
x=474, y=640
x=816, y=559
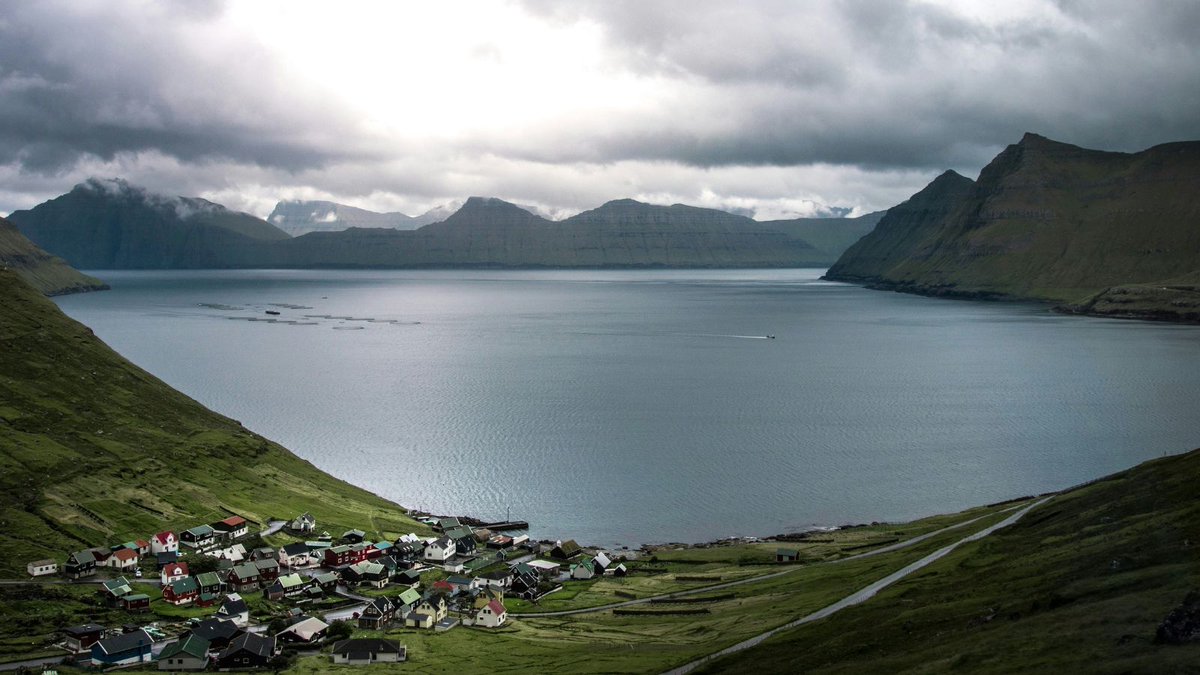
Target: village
x=332, y=588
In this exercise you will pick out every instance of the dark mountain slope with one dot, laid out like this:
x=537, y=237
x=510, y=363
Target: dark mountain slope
x=114, y=225
x=46, y=273
x=1046, y=221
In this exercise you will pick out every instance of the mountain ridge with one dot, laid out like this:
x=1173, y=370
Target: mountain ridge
x=1045, y=221
x=103, y=227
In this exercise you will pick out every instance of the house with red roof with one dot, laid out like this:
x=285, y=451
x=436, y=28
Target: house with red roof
x=231, y=528
x=174, y=572
x=164, y=542
x=491, y=615
x=124, y=559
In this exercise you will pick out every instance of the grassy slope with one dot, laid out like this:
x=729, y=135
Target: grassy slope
x=50, y=275
x=83, y=430
x=1077, y=586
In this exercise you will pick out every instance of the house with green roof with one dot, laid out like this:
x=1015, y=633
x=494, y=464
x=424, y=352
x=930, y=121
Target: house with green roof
x=190, y=653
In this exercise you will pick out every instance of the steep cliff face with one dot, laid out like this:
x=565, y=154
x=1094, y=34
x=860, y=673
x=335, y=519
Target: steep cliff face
x=114, y=225
x=1045, y=220
x=907, y=230
x=46, y=273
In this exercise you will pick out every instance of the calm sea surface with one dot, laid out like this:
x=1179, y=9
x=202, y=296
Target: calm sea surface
x=621, y=407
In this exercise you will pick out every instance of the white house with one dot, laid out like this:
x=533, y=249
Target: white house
x=40, y=568
x=440, y=550
x=125, y=559
x=164, y=542
x=303, y=523
x=491, y=615
x=235, y=553
x=174, y=572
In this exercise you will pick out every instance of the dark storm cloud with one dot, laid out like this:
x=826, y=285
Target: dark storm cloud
x=895, y=84
x=79, y=79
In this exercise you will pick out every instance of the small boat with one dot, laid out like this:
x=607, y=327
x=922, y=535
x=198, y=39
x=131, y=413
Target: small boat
x=272, y=312
x=770, y=337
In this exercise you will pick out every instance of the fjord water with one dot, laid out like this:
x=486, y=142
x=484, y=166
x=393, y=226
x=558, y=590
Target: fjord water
x=626, y=407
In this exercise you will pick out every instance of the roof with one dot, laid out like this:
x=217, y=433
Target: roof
x=233, y=605
x=82, y=557
x=354, y=533
x=250, y=642
x=234, y=521
x=361, y=645
x=43, y=563
x=176, y=569
x=290, y=580
x=266, y=563
x=305, y=629
x=119, y=586
x=164, y=537
x=457, y=533
x=459, y=580
x=215, y=628
x=246, y=570
x=133, y=597
x=84, y=629
x=142, y=543
x=326, y=577
x=126, y=554
x=200, y=531
x=184, y=586
x=497, y=607
x=192, y=645
x=569, y=547
x=295, y=549
x=125, y=642
x=448, y=523
x=208, y=579
x=409, y=597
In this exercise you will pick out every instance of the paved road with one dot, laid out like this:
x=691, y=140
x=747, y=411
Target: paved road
x=273, y=527
x=862, y=595
x=752, y=580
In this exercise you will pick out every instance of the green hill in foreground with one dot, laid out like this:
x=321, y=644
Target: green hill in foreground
x=1079, y=585
x=48, y=274
x=94, y=450
x=1049, y=221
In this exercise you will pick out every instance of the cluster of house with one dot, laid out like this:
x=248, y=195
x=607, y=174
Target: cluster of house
x=165, y=546
x=313, y=568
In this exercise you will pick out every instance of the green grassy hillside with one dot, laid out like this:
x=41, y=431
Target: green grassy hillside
x=1079, y=585
x=1047, y=221
x=94, y=450
x=50, y=275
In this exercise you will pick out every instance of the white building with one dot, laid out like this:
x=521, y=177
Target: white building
x=491, y=615
x=40, y=568
x=440, y=550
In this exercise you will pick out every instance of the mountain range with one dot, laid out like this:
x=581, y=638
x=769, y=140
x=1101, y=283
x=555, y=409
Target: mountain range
x=1106, y=233
x=114, y=225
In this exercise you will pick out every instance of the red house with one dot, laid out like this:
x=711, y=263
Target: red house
x=181, y=592
x=345, y=555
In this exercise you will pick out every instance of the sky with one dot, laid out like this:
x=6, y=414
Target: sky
x=769, y=108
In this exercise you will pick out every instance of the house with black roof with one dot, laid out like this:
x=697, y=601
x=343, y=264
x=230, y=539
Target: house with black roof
x=124, y=649
x=80, y=564
x=218, y=632
x=81, y=638
x=247, y=650
x=365, y=651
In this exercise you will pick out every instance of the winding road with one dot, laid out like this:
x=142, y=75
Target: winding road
x=863, y=594
x=752, y=580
